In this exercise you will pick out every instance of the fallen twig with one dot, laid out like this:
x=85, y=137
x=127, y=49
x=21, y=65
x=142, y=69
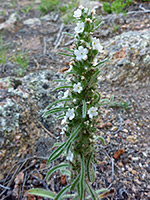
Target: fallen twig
x=59, y=36
x=47, y=130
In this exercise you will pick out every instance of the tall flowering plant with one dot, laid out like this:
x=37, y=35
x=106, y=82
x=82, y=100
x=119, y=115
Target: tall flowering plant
x=79, y=113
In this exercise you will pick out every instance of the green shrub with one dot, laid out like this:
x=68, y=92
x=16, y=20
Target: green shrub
x=48, y=5
x=116, y=6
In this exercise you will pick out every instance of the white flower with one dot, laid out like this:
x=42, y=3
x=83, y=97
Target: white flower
x=96, y=44
x=77, y=13
x=94, y=62
x=93, y=11
x=92, y=112
x=81, y=7
x=64, y=121
x=80, y=27
x=70, y=113
x=81, y=53
x=77, y=87
x=66, y=94
x=63, y=131
x=74, y=100
x=69, y=156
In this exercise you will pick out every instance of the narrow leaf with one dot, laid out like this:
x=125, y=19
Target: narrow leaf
x=65, y=54
x=42, y=193
x=103, y=190
x=68, y=49
x=94, y=77
x=57, y=152
x=62, y=87
x=101, y=138
x=65, y=33
x=54, y=110
x=84, y=109
x=98, y=26
x=98, y=97
x=100, y=63
x=75, y=182
x=91, y=192
x=52, y=170
x=65, y=172
x=71, y=72
x=67, y=196
x=54, y=103
x=59, y=195
x=54, y=152
x=82, y=177
x=88, y=167
x=57, y=144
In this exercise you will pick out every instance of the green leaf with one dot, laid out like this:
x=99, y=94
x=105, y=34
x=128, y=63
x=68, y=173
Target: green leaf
x=57, y=144
x=84, y=109
x=98, y=26
x=42, y=193
x=65, y=33
x=93, y=173
x=75, y=182
x=94, y=77
x=54, y=103
x=68, y=50
x=62, y=87
x=101, y=190
x=67, y=196
x=68, y=73
x=88, y=167
x=100, y=63
x=54, y=152
x=82, y=177
x=101, y=138
x=65, y=172
x=54, y=110
x=61, y=116
x=59, y=195
x=52, y=170
x=91, y=192
x=65, y=54
x=98, y=97
x=62, y=148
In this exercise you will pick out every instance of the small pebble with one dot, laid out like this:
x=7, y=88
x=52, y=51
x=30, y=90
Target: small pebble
x=115, y=128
